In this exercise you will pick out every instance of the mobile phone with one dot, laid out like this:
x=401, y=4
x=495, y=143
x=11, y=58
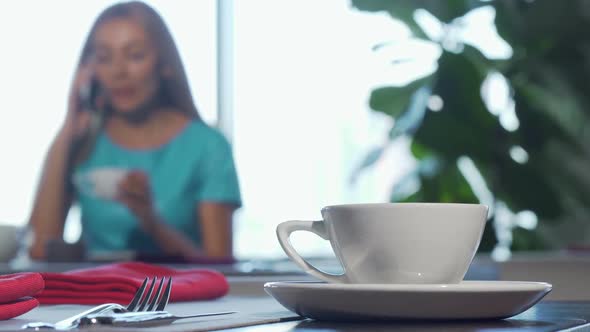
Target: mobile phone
x=88, y=96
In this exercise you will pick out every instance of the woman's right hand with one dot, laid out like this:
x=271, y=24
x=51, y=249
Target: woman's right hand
x=77, y=119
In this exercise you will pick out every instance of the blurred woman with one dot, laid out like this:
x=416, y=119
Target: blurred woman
x=130, y=108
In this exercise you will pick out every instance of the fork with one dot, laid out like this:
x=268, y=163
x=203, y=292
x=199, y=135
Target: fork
x=137, y=304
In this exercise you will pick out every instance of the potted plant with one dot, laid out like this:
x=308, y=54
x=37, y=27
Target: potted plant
x=536, y=170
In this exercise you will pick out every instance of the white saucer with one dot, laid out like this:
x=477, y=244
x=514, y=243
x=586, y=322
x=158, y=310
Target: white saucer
x=467, y=300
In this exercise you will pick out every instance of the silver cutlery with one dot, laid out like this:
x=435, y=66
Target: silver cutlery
x=139, y=303
x=140, y=319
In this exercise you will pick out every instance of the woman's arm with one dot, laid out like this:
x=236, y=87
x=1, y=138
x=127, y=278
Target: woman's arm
x=215, y=221
x=168, y=239
x=216, y=228
x=52, y=199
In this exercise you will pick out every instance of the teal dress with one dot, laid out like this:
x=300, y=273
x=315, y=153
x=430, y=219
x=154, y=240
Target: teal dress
x=195, y=166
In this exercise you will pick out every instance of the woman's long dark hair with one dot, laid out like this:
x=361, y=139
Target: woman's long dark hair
x=174, y=88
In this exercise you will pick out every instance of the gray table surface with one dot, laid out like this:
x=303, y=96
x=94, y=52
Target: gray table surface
x=260, y=313
x=256, y=307
x=545, y=316
x=249, y=310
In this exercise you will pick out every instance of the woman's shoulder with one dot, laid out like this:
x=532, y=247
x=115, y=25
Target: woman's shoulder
x=204, y=142
x=199, y=131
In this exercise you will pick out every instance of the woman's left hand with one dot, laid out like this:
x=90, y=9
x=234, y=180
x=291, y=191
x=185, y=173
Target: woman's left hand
x=135, y=192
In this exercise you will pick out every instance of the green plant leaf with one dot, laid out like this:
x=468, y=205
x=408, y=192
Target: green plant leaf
x=536, y=26
x=410, y=120
x=509, y=22
x=419, y=151
x=445, y=11
x=446, y=186
x=402, y=10
x=488, y=239
x=573, y=182
x=464, y=126
x=557, y=99
x=394, y=100
x=527, y=240
x=525, y=187
x=369, y=160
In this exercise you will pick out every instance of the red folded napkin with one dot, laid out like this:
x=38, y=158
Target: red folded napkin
x=118, y=283
x=16, y=291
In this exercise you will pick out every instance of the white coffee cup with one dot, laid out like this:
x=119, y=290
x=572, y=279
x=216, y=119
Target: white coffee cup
x=384, y=243
x=100, y=182
x=9, y=242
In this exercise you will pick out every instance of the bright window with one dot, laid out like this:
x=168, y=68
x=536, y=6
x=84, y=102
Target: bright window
x=303, y=73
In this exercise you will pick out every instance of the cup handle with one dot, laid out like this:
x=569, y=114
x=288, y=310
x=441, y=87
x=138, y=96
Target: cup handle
x=284, y=231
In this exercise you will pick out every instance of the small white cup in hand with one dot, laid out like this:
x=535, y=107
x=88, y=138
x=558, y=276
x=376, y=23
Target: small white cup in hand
x=101, y=182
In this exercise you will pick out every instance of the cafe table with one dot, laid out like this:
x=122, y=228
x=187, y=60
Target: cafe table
x=257, y=311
